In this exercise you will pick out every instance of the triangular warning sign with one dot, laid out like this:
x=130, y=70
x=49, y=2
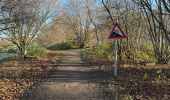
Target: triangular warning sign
x=116, y=32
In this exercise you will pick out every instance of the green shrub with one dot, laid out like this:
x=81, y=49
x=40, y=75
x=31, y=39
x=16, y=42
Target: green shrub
x=85, y=53
x=11, y=51
x=8, y=55
x=61, y=46
x=127, y=97
x=36, y=51
x=8, y=48
x=106, y=51
x=145, y=54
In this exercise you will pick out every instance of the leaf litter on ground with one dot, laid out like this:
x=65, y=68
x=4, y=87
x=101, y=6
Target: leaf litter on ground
x=17, y=77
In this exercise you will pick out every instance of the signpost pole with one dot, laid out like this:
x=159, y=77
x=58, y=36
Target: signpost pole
x=116, y=55
x=116, y=34
x=116, y=58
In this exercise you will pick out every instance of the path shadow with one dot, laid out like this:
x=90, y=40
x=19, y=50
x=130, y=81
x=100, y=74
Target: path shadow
x=76, y=75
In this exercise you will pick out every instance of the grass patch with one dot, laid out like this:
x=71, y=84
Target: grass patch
x=7, y=55
x=36, y=51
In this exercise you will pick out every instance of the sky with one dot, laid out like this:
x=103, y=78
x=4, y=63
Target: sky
x=64, y=1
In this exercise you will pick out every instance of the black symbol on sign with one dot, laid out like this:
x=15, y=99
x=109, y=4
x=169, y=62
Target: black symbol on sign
x=116, y=33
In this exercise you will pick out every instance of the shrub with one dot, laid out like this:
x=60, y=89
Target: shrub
x=61, y=46
x=105, y=49
x=104, y=53
x=86, y=54
x=36, y=51
x=11, y=51
x=145, y=54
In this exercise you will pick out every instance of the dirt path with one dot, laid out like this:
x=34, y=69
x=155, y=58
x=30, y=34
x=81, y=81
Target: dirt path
x=72, y=79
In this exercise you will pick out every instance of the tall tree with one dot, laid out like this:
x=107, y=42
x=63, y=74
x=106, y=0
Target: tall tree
x=129, y=17
x=77, y=20
x=157, y=19
x=159, y=10
x=92, y=16
x=24, y=21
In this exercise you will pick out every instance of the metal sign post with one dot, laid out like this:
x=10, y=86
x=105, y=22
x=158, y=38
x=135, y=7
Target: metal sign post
x=116, y=33
x=116, y=53
x=116, y=58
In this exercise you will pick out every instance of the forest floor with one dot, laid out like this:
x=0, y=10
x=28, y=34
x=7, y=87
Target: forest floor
x=18, y=76
x=135, y=81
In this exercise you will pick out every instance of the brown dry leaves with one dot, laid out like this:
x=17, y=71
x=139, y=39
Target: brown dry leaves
x=17, y=77
x=142, y=83
x=137, y=82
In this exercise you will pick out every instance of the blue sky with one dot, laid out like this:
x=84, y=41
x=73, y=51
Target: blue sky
x=64, y=1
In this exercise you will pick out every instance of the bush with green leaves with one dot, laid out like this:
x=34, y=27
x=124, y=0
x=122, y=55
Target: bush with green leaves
x=8, y=55
x=86, y=54
x=146, y=54
x=36, y=51
x=104, y=52
x=61, y=46
x=105, y=49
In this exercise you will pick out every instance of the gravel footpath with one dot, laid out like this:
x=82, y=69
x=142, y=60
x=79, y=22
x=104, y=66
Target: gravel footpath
x=72, y=79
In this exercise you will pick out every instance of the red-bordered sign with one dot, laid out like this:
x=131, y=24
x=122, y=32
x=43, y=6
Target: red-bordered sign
x=117, y=32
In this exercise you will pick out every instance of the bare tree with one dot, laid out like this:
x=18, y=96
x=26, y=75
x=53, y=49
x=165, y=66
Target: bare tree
x=4, y=20
x=166, y=5
x=77, y=20
x=91, y=12
x=129, y=17
x=158, y=21
x=26, y=20
x=158, y=10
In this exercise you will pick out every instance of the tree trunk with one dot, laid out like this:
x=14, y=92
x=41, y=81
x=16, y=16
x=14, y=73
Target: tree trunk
x=81, y=45
x=162, y=61
x=22, y=52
